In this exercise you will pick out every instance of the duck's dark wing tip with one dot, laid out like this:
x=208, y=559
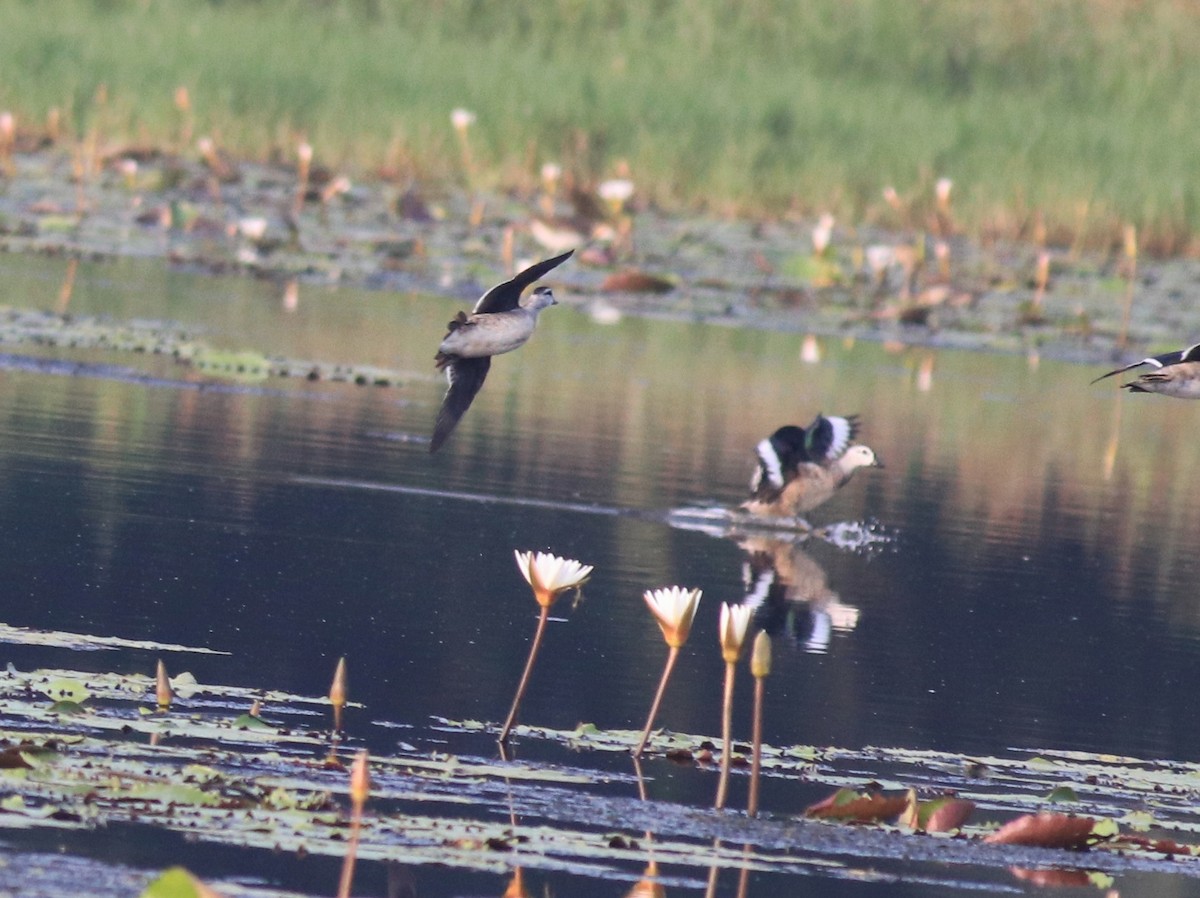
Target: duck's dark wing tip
x=1118, y=371
x=506, y=296
x=466, y=376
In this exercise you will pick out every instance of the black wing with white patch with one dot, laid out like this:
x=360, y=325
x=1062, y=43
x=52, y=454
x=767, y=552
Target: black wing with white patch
x=827, y=438
x=778, y=456
x=505, y=297
x=1191, y=354
x=466, y=376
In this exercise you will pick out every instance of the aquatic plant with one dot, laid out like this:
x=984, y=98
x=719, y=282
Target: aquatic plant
x=760, y=669
x=337, y=693
x=735, y=620
x=674, y=609
x=162, y=687
x=360, y=787
x=549, y=576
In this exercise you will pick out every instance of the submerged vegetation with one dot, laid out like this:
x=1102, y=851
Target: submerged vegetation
x=1067, y=117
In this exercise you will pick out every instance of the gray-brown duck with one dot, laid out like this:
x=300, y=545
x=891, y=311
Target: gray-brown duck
x=499, y=323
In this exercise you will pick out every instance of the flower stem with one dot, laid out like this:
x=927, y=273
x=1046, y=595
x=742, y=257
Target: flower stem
x=533, y=650
x=726, y=735
x=662, y=687
x=756, y=755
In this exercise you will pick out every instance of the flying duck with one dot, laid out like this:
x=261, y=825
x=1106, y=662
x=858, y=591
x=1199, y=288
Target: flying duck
x=1176, y=374
x=801, y=468
x=500, y=322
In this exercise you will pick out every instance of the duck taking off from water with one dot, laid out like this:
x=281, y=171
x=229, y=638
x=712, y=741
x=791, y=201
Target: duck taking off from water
x=780, y=453
x=802, y=468
x=1175, y=374
x=500, y=322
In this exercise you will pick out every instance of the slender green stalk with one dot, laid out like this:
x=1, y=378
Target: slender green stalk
x=533, y=650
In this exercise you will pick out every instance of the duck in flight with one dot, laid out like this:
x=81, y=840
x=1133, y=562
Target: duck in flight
x=1175, y=374
x=801, y=468
x=500, y=322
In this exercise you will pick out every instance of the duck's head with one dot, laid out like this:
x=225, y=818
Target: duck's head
x=860, y=456
x=540, y=298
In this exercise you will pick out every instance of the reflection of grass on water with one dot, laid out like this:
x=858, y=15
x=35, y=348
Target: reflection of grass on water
x=1072, y=107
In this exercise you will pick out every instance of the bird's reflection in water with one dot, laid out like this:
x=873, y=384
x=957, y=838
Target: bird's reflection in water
x=790, y=593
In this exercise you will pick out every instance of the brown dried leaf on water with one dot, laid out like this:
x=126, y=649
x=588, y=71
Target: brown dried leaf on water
x=1168, y=847
x=13, y=758
x=632, y=281
x=938, y=815
x=1045, y=830
x=865, y=807
x=1052, y=876
x=948, y=814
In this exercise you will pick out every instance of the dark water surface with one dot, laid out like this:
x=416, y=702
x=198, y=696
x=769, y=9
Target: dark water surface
x=1039, y=589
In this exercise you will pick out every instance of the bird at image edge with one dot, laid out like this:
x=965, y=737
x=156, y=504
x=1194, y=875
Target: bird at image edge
x=499, y=323
x=1175, y=374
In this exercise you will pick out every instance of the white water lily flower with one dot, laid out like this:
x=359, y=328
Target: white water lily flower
x=674, y=607
x=615, y=189
x=942, y=190
x=549, y=575
x=735, y=621
x=462, y=119
x=822, y=234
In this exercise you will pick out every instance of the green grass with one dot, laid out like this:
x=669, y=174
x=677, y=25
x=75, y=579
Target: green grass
x=1080, y=112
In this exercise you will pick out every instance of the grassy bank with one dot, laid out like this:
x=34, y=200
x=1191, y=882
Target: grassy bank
x=1076, y=111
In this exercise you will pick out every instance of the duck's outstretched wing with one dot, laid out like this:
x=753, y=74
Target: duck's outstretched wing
x=466, y=376
x=506, y=296
x=1190, y=354
x=827, y=437
x=776, y=456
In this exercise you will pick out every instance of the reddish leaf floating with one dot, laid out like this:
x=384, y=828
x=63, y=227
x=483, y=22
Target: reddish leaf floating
x=680, y=756
x=845, y=804
x=1045, y=830
x=1052, y=877
x=948, y=814
x=631, y=281
x=938, y=815
x=1166, y=846
x=12, y=757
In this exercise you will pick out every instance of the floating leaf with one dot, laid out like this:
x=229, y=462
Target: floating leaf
x=1052, y=876
x=63, y=689
x=938, y=815
x=86, y=642
x=1139, y=821
x=1045, y=830
x=251, y=722
x=632, y=281
x=67, y=708
x=1062, y=794
x=178, y=883
x=846, y=804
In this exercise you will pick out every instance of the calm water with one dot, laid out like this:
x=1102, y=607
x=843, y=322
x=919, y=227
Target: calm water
x=1038, y=589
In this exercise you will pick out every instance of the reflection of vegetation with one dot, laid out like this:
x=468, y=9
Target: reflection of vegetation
x=1071, y=106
